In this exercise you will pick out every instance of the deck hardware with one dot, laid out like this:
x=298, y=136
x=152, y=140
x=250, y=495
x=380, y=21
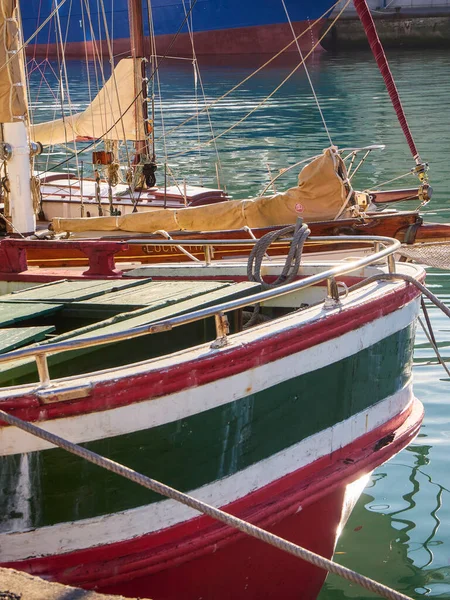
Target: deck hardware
x=42, y=367
x=50, y=394
x=208, y=250
x=344, y=286
x=391, y=263
x=332, y=300
x=222, y=330
x=5, y=151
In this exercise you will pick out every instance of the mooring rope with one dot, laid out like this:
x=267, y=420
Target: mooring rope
x=426, y=292
x=391, y=276
x=206, y=509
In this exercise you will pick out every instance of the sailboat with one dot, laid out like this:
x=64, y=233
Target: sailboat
x=272, y=399
x=67, y=196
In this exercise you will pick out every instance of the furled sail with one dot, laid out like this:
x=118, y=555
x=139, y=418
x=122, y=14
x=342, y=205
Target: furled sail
x=13, y=99
x=114, y=114
x=321, y=194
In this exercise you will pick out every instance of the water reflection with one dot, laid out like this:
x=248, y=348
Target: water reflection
x=393, y=536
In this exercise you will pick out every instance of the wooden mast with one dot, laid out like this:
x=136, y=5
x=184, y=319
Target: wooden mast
x=138, y=52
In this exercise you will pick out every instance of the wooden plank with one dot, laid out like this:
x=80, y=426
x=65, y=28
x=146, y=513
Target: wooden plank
x=154, y=294
x=13, y=312
x=123, y=322
x=19, y=336
x=152, y=314
x=73, y=291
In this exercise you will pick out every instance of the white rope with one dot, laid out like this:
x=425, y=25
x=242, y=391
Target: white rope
x=267, y=98
x=263, y=66
x=25, y=44
x=307, y=71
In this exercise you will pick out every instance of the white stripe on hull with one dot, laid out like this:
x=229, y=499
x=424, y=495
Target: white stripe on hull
x=194, y=400
x=87, y=533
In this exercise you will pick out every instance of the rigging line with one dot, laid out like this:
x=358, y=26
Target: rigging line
x=152, y=53
x=37, y=21
x=27, y=88
x=94, y=142
x=96, y=59
x=297, y=164
x=179, y=30
x=271, y=94
x=88, y=74
x=156, y=69
x=25, y=44
x=383, y=183
x=116, y=87
x=198, y=76
x=238, y=85
x=155, y=76
x=307, y=70
x=66, y=76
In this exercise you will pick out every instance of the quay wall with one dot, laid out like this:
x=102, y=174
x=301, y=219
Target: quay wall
x=401, y=24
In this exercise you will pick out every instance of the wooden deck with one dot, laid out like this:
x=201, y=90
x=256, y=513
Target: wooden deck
x=81, y=309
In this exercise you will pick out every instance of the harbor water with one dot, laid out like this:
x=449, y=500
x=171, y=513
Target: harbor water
x=399, y=532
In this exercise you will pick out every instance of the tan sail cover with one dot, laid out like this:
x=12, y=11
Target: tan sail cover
x=114, y=114
x=13, y=100
x=320, y=195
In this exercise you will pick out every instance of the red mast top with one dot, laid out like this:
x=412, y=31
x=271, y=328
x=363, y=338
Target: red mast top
x=377, y=49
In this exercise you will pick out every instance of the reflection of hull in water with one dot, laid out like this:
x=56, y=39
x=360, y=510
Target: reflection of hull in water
x=401, y=556
x=220, y=27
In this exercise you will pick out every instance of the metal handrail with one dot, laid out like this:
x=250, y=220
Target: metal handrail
x=40, y=352
x=317, y=239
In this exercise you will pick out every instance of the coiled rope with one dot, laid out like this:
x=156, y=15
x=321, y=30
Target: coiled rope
x=206, y=509
x=300, y=233
x=291, y=265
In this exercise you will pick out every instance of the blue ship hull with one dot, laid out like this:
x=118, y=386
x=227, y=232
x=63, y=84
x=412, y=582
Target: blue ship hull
x=219, y=26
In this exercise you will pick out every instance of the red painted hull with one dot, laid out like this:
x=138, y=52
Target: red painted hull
x=201, y=558
x=262, y=39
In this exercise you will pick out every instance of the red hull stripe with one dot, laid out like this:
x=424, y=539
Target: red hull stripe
x=199, y=537
x=255, y=40
x=157, y=382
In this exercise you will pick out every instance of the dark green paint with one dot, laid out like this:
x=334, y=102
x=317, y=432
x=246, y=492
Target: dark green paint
x=219, y=442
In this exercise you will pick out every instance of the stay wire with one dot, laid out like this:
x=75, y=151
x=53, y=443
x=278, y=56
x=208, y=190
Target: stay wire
x=267, y=98
x=307, y=70
x=263, y=66
x=430, y=335
x=31, y=38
